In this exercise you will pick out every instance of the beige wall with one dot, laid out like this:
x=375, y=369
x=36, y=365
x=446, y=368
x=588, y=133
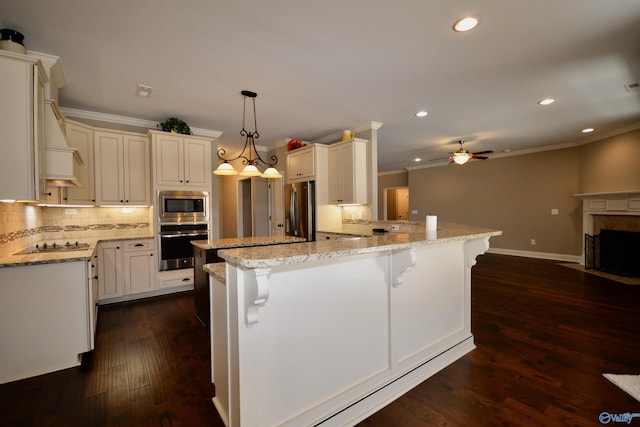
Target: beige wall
x=612, y=164
x=516, y=194
x=390, y=180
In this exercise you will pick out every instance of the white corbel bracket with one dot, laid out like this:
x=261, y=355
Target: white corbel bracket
x=473, y=248
x=402, y=263
x=256, y=294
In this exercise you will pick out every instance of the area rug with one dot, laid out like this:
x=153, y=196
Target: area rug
x=629, y=383
x=619, y=279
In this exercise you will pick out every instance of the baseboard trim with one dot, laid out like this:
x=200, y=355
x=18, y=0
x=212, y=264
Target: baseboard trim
x=538, y=255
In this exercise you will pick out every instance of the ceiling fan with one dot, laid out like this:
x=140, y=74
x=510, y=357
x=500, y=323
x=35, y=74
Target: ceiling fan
x=462, y=156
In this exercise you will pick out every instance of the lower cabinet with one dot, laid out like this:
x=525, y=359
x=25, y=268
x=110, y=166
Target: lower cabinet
x=126, y=267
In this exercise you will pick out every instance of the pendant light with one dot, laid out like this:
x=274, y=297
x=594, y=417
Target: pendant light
x=249, y=160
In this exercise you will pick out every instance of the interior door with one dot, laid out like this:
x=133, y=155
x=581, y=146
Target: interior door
x=276, y=206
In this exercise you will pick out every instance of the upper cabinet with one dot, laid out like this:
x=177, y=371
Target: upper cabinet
x=181, y=161
x=122, y=170
x=302, y=164
x=348, y=172
x=22, y=174
x=80, y=137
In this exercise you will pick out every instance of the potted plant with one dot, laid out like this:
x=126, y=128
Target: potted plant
x=175, y=125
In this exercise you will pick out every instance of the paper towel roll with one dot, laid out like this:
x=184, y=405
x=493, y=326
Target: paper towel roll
x=432, y=223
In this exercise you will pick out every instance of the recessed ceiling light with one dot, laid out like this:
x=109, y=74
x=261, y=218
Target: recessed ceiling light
x=421, y=114
x=587, y=130
x=144, y=91
x=465, y=24
x=547, y=101
x=417, y=159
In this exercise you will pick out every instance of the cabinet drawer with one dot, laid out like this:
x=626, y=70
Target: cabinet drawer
x=186, y=279
x=138, y=245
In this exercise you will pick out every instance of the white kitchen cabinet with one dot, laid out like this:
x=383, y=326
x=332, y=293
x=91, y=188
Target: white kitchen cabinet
x=301, y=164
x=348, y=172
x=44, y=318
x=139, y=266
x=181, y=161
x=22, y=173
x=127, y=267
x=110, y=270
x=176, y=278
x=122, y=172
x=80, y=137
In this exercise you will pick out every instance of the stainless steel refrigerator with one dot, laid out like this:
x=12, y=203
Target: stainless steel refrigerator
x=300, y=210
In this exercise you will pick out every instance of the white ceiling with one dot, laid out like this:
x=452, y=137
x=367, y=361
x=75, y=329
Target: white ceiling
x=324, y=66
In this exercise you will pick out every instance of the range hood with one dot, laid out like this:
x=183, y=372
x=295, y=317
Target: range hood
x=61, y=160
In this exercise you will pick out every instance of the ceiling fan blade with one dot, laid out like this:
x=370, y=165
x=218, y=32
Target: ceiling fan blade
x=484, y=152
x=479, y=157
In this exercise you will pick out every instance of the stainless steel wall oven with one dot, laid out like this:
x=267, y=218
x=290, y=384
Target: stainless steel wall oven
x=183, y=216
x=176, y=250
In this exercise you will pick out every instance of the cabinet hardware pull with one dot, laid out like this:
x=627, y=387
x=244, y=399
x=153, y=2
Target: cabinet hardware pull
x=186, y=279
x=139, y=245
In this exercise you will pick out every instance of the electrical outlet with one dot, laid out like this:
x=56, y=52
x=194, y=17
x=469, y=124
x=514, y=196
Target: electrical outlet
x=533, y=242
x=70, y=211
x=414, y=212
x=555, y=212
x=395, y=228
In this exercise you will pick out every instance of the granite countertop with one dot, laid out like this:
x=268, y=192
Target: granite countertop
x=256, y=257
x=69, y=256
x=235, y=242
x=217, y=270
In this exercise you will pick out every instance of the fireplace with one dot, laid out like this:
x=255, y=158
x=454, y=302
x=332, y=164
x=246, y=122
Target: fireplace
x=614, y=251
x=611, y=229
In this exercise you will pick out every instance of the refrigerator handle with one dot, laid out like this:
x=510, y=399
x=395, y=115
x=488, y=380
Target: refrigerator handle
x=294, y=210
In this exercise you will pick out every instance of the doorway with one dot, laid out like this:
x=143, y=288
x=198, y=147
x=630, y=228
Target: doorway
x=396, y=204
x=253, y=210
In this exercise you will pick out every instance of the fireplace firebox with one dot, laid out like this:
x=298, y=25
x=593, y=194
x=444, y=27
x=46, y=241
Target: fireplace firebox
x=614, y=251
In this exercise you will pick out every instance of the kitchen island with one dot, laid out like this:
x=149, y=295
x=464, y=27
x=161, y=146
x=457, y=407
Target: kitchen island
x=329, y=332
x=206, y=251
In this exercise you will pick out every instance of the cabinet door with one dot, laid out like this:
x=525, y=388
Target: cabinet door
x=136, y=170
x=169, y=160
x=197, y=163
x=293, y=166
x=21, y=130
x=307, y=169
x=109, y=174
x=348, y=173
x=139, y=272
x=81, y=138
x=336, y=175
x=301, y=165
x=110, y=270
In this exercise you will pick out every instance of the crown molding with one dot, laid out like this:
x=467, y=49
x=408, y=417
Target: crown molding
x=130, y=121
x=52, y=63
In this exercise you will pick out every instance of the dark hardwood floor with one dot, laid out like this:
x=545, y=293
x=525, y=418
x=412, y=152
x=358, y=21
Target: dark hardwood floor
x=544, y=335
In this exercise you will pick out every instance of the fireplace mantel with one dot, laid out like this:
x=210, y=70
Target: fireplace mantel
x=611, y=203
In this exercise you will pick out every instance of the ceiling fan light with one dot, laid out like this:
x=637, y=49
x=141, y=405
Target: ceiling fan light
x=271, y=173
x=225, y=169
x=250, y=170
x=461, y=158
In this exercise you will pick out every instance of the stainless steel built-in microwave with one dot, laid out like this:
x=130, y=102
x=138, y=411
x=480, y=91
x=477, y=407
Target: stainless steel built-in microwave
x=183, y=206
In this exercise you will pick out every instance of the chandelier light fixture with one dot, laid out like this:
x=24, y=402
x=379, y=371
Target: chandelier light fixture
x=249, y=160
